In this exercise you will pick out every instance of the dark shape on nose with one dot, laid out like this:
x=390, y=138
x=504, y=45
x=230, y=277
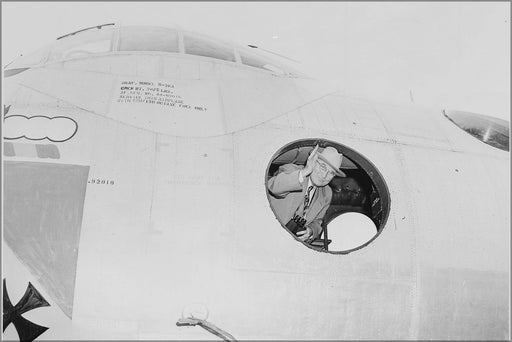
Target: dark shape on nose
x=32, y=299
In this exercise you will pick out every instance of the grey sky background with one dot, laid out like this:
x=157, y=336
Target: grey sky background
x=453, y=55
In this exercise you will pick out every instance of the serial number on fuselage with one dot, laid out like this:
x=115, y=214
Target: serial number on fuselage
x=101, y=181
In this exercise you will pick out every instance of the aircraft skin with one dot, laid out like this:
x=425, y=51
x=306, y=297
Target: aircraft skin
x=170, y=211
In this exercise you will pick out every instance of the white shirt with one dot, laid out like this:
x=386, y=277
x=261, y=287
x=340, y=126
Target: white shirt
x=310, y=183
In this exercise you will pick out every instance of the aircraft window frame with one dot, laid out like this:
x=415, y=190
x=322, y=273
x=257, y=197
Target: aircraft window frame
x=371, y=196
x=486, y=129
x=116, y=39
x=181, y=42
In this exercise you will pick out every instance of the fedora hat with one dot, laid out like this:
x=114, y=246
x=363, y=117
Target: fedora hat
x=331, y=156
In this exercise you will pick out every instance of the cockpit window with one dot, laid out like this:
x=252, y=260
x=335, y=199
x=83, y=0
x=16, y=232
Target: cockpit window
x=198, y=46
x=108, y=38
x=148, y=39
x=82, y=44
x=492, y=131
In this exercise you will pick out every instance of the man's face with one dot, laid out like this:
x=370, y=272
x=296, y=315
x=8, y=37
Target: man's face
x=322, y=173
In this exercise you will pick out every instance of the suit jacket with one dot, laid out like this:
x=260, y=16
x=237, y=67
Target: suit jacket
x=287, y=194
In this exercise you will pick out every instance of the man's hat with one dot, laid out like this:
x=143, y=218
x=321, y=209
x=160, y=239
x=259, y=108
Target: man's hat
x=331, y=156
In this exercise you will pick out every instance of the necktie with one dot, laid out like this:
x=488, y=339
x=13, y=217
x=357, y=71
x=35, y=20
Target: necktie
x=307, y=199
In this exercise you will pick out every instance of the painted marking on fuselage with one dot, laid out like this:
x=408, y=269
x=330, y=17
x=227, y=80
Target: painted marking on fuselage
x=43, y=206
x=9, y=149
x=39, y=127
x=101, y=181
x=31, y=150
x=156, y=93
x=32, y=299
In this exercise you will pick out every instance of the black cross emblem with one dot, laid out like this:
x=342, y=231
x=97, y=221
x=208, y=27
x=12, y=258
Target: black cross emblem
x=32, y=299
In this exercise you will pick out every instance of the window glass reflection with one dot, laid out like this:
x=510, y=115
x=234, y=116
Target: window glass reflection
x=203, y=47
x=148, y=39
x=492, y=131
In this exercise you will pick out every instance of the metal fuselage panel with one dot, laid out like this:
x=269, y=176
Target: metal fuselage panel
x=172, y=217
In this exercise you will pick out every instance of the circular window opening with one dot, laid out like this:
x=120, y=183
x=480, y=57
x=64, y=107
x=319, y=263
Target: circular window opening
x=332, y=206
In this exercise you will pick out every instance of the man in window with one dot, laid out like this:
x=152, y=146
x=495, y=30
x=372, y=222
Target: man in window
x=300, y=195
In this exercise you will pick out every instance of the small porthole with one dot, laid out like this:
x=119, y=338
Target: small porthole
x=327, y=195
